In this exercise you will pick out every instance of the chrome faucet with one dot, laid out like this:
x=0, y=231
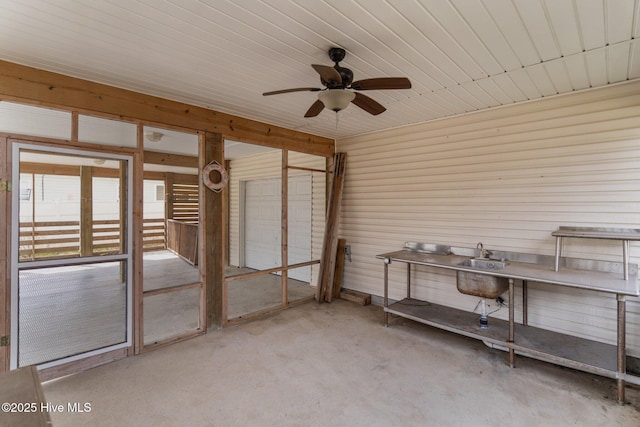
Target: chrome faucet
x=483, y=253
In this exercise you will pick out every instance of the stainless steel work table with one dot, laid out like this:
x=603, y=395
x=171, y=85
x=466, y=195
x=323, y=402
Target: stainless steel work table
x=561, y=349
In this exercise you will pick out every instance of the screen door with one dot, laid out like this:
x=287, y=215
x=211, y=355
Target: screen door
x=71, y=281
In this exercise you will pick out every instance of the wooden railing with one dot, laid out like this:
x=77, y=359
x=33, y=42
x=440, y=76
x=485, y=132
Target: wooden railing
x=182, y=239
x=61, y=239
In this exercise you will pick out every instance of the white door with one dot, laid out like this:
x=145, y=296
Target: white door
x=262, y=224
x=300, y=225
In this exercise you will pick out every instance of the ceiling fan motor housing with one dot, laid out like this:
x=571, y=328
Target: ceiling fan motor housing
x=346, y=76
x=337, y=54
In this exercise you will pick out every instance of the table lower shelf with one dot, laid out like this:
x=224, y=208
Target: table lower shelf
x=561, y=349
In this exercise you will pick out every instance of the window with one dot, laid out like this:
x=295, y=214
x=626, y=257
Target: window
x=25, y=194
x=160, y=193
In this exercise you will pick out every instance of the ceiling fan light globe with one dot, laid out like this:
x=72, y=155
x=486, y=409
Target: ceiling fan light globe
x=336, y=99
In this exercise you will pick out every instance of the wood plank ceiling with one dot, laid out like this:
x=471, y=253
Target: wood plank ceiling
x=460, y=55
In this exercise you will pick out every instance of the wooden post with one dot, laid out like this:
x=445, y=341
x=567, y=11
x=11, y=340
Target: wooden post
x=122, y=176
x=169, y=180
x=211, y=235
x=226, y=197
x=138, y=232
x=33, y=217
x=5, y=251
x=324, y=290
x=86, y=211
x=284, y=224
x=74, y=126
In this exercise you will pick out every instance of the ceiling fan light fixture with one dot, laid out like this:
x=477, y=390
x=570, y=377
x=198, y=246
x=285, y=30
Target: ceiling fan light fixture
x=336, y=99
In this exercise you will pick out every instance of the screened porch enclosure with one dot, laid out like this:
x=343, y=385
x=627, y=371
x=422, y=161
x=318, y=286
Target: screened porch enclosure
x=72, y=211
x=75, y=294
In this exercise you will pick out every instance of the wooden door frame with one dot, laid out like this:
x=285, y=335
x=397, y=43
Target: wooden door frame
x=5, y=251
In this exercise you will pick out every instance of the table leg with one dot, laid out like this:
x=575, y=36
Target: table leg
x=408, y=280
x=625, y=258
x=558, y=252
x=622, y=354
x=525, y=315
x=512, y=353
x=387, y=261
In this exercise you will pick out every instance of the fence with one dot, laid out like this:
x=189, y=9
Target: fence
x=61, y=239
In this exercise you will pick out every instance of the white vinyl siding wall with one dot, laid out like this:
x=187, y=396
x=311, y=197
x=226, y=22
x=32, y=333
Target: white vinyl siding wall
x=506, y=177
x=269, y=165
x=318, y=203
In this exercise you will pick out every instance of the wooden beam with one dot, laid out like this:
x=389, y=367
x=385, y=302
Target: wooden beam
x=181, y=178
x=178, y=178
x=157, y=176
x=21, y=83
x=339, y=271
x=69, y=170
x=270, y=270
x=169, y=159
x=355, y=296
x=49, y=169
x=82, y=364
x=211, y=235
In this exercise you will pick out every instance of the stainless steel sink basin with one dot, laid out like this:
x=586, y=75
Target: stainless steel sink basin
x=482, y=285
x=484, y=263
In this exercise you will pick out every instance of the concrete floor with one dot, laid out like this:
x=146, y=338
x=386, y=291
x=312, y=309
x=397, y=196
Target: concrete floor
x=254, y=294
x=336, y=365
x=74, y=309
x=174, y=314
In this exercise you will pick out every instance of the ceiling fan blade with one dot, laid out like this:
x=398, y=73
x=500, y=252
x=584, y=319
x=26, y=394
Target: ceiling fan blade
x=298, y=89
x=368, y=104
x=328, y=74
x=315, y=109
x=382, y=83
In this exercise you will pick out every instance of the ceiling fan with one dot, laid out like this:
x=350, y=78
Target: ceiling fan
x=340, y=89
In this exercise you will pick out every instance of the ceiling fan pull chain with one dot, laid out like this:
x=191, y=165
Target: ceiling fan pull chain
x=337, y=120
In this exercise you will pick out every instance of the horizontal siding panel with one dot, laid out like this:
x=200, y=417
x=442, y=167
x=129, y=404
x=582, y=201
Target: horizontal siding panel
x=588, y=129
x=507, y=177
x=318, y=208
x=269, y=165
x=527, y=113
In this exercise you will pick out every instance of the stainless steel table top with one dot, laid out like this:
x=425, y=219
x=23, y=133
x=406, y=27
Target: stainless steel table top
x=577, y=278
